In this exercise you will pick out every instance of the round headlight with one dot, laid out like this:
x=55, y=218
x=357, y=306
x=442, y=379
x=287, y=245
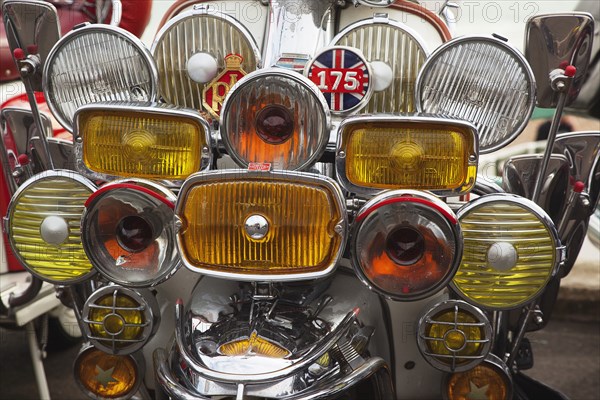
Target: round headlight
x=489, y=380
x=118, y=320
x=275, y=116
x=454, y=336
x=191, y=55
x=483, y=80
x=406, y=244
x=128, y=232
x=97, y=63
x=510, y=253
x=44, y=226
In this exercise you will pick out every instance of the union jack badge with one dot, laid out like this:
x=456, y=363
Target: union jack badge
x=343, y=75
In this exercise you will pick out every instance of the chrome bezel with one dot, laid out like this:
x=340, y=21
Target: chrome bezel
x=148, y=305
x=43, y=176
x=510, y=49
x=340, y=161
x=495, y=363
x=362, y=57
x=205, y=155
x=140, y=371
x=559, y=252
x=200, y=10
x=282, y=74
x=448, y=305
x=380, y=201
x=105, y=270
x=74, y=34
x=287, y=176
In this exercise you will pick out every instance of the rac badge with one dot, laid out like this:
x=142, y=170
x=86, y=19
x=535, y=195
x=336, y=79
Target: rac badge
x=214, y=93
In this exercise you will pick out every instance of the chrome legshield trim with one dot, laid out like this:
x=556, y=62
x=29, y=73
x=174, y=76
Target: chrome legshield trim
x=184, y=348
x=166, y=380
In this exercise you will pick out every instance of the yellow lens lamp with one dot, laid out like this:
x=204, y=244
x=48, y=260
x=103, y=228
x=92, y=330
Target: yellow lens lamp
x=489, y=380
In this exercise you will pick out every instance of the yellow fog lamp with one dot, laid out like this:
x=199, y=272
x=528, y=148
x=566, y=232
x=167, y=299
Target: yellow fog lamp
x=253, y=344
x=106, y=376
x=141, y=140
x=483, y=80
x=454, y=336
x=97, y=63
x=275, y=116
x=119, y=320
x=489, y=380
x=511, y=250
x=261, y=225
x=43, y=226
x=376, y=153
x=128, y=232
x=405, y=244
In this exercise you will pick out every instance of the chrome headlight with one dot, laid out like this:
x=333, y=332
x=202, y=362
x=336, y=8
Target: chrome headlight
x=275, y=116
x=128, y=232
x=261, y=225
x=396, y=54
x=44, y=226
x=406, y=244
x=118, y=320
x=140, y=140
x=454, y=336
x=482, y=80
x=510, y=253
x=376, y=153
x=191, y=51
x=97, y=63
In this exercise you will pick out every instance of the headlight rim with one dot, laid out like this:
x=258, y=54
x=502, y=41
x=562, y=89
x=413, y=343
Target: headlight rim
x=514, y=52
x=341, y=146
x=281, y=175
x=101, y=28
x=326, y=123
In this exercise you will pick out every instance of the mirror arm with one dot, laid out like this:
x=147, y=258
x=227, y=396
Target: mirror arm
x=28, y=66
x=561, y=82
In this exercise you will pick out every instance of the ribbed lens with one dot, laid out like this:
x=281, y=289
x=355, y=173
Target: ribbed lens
x=198, y=32
x=95, y=64
x=396, y=46
x=44, y=227
x=304, y=122
x=401, y=154
x=481, y=80
x=137, y=140
x=297, y=221
x=253, y=345
x=510, y=253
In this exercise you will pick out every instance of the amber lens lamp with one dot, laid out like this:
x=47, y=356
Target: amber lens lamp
x=275, y=116
x=454, y=336
x=261, y=226
x=489, y=380
x=128, y=232
x=378, y=153
x=253, y=345
x=44, y=226
x=107, y=376
x=142, y=141
x=405, y=244
x=511, y=252
x=119, y=320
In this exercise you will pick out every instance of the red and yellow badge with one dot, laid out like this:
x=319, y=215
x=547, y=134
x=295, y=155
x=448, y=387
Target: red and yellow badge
x=214, y=93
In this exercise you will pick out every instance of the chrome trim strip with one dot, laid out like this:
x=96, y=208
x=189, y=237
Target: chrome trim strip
x=152, y=108
x=107, y=29
x=288, y=176
x=328, y=341
x=167, y=381
x=340, y=162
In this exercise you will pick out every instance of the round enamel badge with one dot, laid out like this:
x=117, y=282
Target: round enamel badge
x=343, y=76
